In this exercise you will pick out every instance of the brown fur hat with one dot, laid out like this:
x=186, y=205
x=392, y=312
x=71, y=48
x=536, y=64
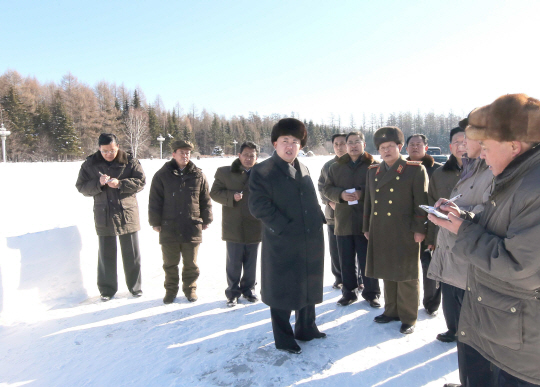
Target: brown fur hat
x=512, y=117
x=290, y=127
x=388, y=133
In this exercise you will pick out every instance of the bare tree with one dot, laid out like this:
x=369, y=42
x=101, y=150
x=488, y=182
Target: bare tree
x=135, y=129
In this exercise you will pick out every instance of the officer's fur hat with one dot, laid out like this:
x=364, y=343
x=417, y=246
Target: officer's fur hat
x=290, y=127
x=512, y=117
x=181, y=144
x=388, y=133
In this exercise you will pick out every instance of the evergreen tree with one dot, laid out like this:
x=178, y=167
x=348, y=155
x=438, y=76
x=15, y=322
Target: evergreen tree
x=63, y=135
x=136, y=100
x=18, y=120
x=153, y=126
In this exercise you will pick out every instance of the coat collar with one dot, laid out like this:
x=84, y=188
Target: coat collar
x=451, y=164
x=366, y=158
x=236, y=166
x=427, y=160
x=287, y=169
x=172, y=166
x=384, y=176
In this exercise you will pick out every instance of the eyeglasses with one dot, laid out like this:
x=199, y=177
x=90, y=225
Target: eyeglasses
x=459, y=143
x=111, y=152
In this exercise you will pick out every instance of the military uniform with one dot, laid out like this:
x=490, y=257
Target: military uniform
x=391, y=216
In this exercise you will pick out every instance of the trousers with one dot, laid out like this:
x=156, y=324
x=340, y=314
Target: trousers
x=241, y=256
x=401, y=300
x=172, y=253
x=107, y=278
x=304, y=328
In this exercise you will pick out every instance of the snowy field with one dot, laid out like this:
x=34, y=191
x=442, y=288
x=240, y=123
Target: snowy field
x=54, y=330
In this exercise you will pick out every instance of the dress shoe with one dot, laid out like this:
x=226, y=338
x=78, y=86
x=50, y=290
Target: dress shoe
x=406, y=329
x=374, y=303
x=295, y=349
x=432, y=313
x=337, y=285
x=318, y=335
x=137, y=294
x=346, y=301
x=452, y=385
x=447, y=337
x=251, y=298
x=383, y=319
x=361, y=287
x=169, y=298
x=231, y=302
x=105, y=298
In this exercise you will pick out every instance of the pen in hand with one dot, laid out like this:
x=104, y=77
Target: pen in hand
x=450, y=200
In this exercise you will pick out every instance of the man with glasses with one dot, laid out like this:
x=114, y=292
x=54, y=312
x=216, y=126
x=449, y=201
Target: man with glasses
x=340, y=149
x=345, y=186
x=113, y=178
x=240, y=230
x=394, y=225
x=417, y=145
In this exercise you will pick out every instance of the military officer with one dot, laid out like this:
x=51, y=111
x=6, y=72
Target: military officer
x=394, y=225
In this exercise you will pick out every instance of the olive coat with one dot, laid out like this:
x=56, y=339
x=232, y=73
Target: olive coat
x=501, y=309
x=391, y=216
x=238, y=225
x=342, y=176
x=116, y=211
x=328, y=211
x=292, y=257
x=179, y=203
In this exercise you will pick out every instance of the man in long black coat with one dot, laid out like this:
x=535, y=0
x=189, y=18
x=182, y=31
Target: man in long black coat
x=283, y=197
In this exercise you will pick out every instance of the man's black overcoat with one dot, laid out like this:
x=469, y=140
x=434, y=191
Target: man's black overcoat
x=292, y=257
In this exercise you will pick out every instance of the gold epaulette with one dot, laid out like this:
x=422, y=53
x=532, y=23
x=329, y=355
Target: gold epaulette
x=373, y=166
x=417, y=163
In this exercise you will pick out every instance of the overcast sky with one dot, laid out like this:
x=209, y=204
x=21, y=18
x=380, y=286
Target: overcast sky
x=315, y=58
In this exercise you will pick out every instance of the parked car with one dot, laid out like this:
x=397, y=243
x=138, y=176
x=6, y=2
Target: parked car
x=440, y=158
x=433, y=150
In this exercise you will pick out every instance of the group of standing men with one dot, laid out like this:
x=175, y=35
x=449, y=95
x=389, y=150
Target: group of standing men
x=485, y=254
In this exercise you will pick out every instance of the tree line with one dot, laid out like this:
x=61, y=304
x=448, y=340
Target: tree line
x=50, y=121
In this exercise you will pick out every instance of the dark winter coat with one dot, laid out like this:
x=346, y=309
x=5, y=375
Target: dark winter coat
x=238, y=225
x=501, y=309
x=116, y=211
x=292, y=258
x=429, y=163
x=391, y=216
x=179, y=203
x=328, y=211
x=342, y=176
x=446, y=266
x=441, y=184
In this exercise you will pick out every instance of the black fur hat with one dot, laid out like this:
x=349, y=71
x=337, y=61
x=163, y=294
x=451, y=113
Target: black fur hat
x=291, y=127
x=388, y=133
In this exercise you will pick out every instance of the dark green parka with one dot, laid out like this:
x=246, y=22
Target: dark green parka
x=116, y=211
x=238, y=225
x=179, y=203
x=342, y=175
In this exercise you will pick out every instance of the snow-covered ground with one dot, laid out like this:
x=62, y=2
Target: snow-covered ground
x=54, y=330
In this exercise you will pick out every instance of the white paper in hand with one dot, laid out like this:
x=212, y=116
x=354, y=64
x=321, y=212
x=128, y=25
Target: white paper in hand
x=351, y=190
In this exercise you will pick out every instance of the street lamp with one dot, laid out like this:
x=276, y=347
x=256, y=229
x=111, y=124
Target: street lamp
x=235, y=142
x=3, y=134
x=160, y=139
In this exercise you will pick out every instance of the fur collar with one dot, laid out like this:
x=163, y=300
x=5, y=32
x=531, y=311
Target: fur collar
x=366, y=158
x=173, y=167
x=121, y=158
x=451, y=164
x=236, y=166
x=427, y=161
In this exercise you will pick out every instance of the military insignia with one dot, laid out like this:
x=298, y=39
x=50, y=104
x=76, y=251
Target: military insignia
x=373, y=166
x=400, y=169
x=417, y=163
x=378, y=170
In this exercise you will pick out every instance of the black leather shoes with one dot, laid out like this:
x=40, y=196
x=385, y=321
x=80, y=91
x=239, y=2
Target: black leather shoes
x=105, y=298
x=169, y=298
x=231, y=302
x=137, y=294
x=432, y=313
x=251, y=298
x=447, y=337
x=383, y=319
x=374, y=303
x=346, y=301
x=452, y=385
x=318, y=335
x=295, y=349
x=406, y=329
